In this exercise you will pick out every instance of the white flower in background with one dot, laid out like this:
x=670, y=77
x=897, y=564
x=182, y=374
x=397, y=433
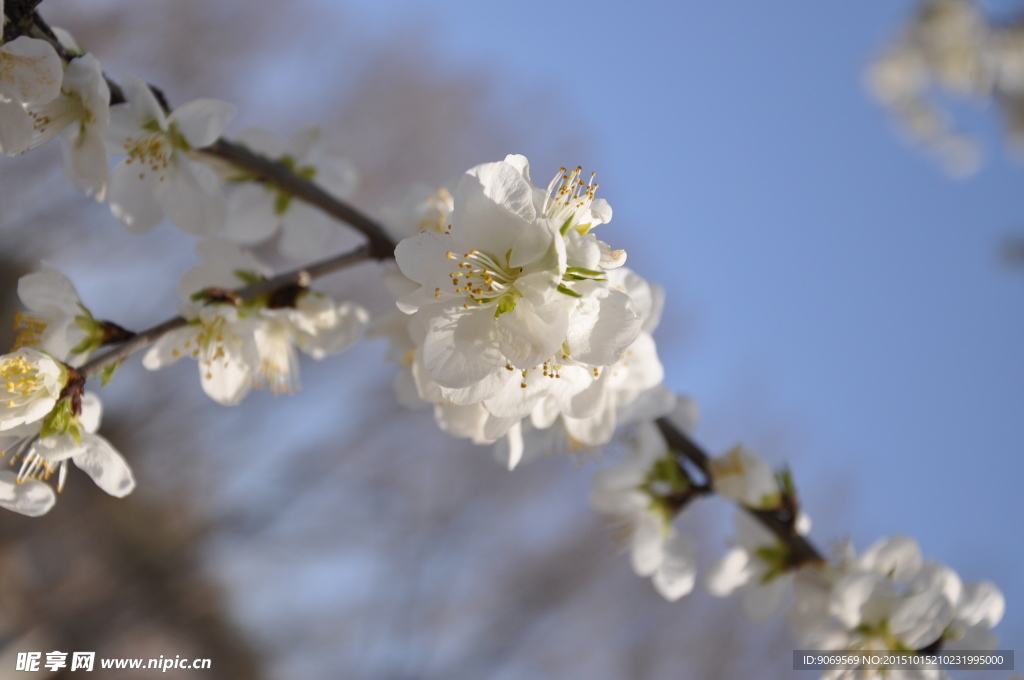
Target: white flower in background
x=219, y=335
x=82, y=112
x=42, y=454
x=743, y=476
x=221, y=339
x=30, y=384
x=59, y=323
x=889, y=599
x=158, y=178
x=239, y=344
x=645, y=493
x=978, y=610
x=256, y=210
x=30, y=74
x=419, y=208
x=316, y=324
x=759, y=567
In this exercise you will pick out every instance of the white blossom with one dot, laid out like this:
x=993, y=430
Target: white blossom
x=758, y=567
x=82, y=113
x=59, y=324
x=41, y=454
x=30, y=384
x=158, y=177
x=30, y=74
x=644, y=494
x=890, y=598
x=744, y=477
x=242, y=344
x=256, y=210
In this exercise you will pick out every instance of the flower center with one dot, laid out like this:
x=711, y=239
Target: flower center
x=483, y=279
x=30, y=330
x=151, y=150
x=20, y=379
x=568, y=196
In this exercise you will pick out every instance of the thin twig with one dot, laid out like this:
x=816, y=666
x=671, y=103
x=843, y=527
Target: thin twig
x=784, y=527
x=297, y=277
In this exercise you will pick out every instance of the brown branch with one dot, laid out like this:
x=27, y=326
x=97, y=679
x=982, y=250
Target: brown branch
x=300, y=277
x=778, y=522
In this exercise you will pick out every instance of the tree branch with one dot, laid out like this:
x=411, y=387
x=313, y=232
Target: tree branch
x=779, y=523
x=300, y=277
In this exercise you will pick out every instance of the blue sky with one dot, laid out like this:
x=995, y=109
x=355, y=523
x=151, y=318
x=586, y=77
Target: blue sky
x=824, y=276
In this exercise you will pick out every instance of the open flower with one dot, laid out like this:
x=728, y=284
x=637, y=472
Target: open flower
x=645, y=493
x=158, y=178
x=42, y=453
x=242, y=344
x=759, y=567
x=30, y=74
x=59, y=323
x=82, y=113
x=30, y=384
x=256, y=210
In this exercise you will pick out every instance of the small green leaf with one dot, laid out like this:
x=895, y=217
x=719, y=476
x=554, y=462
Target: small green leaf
x=107, y=374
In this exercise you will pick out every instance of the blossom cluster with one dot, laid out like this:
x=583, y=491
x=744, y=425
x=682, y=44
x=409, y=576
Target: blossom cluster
x=887, y=598
x=518, y=319
x=951, y=46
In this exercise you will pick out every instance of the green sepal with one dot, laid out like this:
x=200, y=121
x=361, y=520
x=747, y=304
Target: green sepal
x=565, y=290
x=564, y=229
x=585, y=272
x=506, y=304
x=61, y=420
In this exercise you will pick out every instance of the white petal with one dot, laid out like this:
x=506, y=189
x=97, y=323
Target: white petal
x=647, y=544
x=168, y=348
x=678, y=570
x=192, y=198
x=899, y=556
x=529, y=335
x=104, y=464
x=202, y=121
x=251, y=217
x=30, y=70
x=133, y=198
x=729, y=573
x=981, y=604
x=84, y=161
x=460, y=349
x=92, y=412
x=15, y=127
x=142, y=105
x=29, y=497
x=600, y=329
x=305, y=231
x=49, y=292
